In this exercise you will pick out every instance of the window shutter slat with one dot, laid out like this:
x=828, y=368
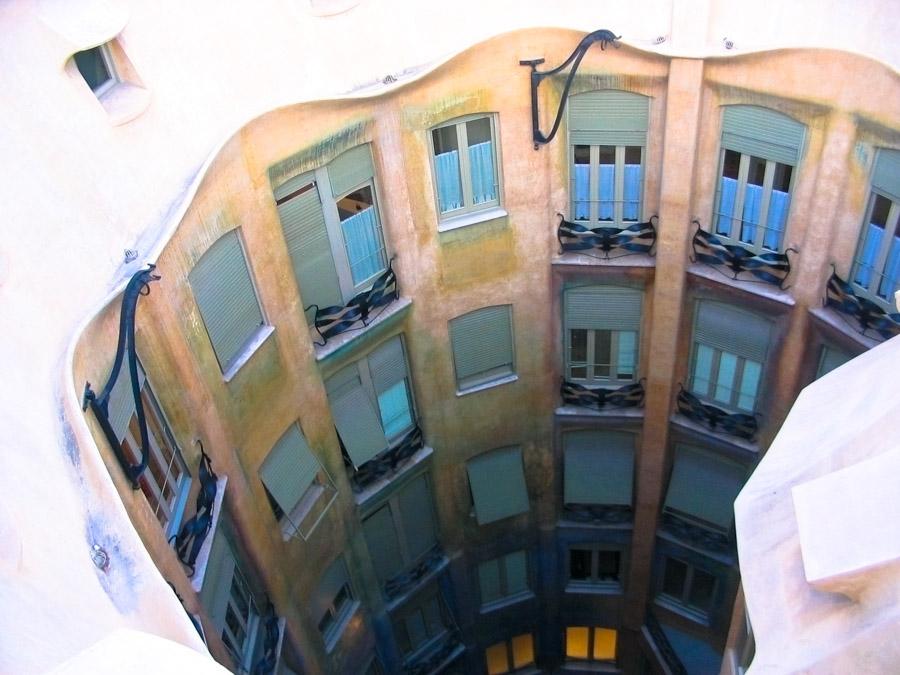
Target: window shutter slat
x=225, y=296
x=599, y=467
x=121, y=400
x=762, y=133
x=482, y=341
x=603, y=308
x=498, y=487
x=387, y=365
x=418, y=524
x=704, y=486
x=384, y=546
x=289, y=469
x=357, y=421
x=608, y=118
x=350, y=169
x=217, y=579
x=303, y=224
x=886, y=173
x=732, y=330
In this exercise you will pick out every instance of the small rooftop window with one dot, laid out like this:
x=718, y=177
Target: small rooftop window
x=96, y=67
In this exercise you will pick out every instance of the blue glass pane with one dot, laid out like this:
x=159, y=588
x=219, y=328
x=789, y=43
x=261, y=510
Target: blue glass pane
x=582, y=188
x=702, y=370
x=778, y=208
x=632, y=193
x=752, y=202
x=481, y=164
x=446, y=168
x=727, y=192
x=865, y=263
x=396, y=416
x=725, y=377
x=749, y=385
x=627, y=356
x=363, y=243
x=607, y=191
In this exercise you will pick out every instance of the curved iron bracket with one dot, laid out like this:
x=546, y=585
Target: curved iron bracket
x=138, y=285
x=604, y=37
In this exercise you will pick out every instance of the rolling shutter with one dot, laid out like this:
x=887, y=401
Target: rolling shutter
x=387, y=365
x=225, y=296
x=498, y=487
x=516, y=572
x=350, y=169
x=608, y=118
x=732, y=330
x=482, y=342
x=704, y=486
x=217, y=579
x=416, y=514
x=289, y=469
x=603, y=308
x=599, y=467
x=762, y=133
x=886, y=173
x=384, y=547
x=303, y=224
x=355, y=416
x=489, y=580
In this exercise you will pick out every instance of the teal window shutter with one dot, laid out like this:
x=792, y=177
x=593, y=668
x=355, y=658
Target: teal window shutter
x=217, y=579
x=608, y=117
x=121, y=400
x=289, y=469
x=384, y=547
x=225, y=296
x=704, y=486
x=497, y=479
x=351, y=169
x=355, y=416
x=489, y=580
x=599, y=467
x=831, y=358
x=482, y=345
x=416, y=513
x=516, y=567
x=763, y=133
x=886, y=173
x=732, y=330
x=603, y=308
x=328, y=588
x=387, y=365
x=303, y=224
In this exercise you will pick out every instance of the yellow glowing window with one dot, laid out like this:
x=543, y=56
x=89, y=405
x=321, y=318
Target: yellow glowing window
x=522, y=650
x=604, y=644
x=594, y=644
x=519, y=652
x=497, y=659
x=577, y=638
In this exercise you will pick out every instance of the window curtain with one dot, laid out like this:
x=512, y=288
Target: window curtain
x=446, y=166
x=749, y=385
x=364, y=251
x=632, y=193
x=727, y=193
x=866, y=261
x=702, y=370
x=778, y=208
x=582, y=191
x=891, y=279
x=626, y=353
x=394, y=406
x=481, y=165
x=607, y=191
x=752, y=202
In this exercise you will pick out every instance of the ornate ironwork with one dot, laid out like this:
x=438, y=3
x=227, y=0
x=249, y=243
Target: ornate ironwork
x=269, y=659
x=604, y=37
x=743, y=263
x=389, y=461
x=696, y=535
x=737, y=424
x=401, y=583
x=337, y=319
x=138, y=285
x=577, y=238
x=599, y=514
x=629, y=396
x=839, y=295
x=434, y=657
x=194, y=531
x=676, y=667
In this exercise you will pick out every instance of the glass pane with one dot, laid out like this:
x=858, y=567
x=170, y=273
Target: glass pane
x=579, y=564
x=674, y=577
x=752, y=199
x=604, y=644
x=702, y=370
x=516, y=572
x=496, y=658
x=632, y=179
x=602, y=353
x=627, y=354
x=701, y=593
x=446, y=168
x=867, y=254
x=445, y=140
x=577, y=642
x=362, y=234
x=725, y=377
x=890, y=280
x=92, y=67
x=396, y=415
x=523, y=650
x=607, y=182
x=481, y=168
x=489, y=579
x=578, y=353
x=749, y=385
x=432, y=613
x=478, y=131
x=608, y=565
x=581, y=183
x=727, y=192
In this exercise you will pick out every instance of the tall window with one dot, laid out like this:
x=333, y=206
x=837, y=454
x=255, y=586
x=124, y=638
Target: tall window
x=760, y=152
x=333, y=230
x=332, y=603
x=602, y=327
x=466, y=175
x=482, y=344
x=728, y=355
x=503, y=578
x=594, y=567
x=510, y=655
x=876, y=265
x=421, y=626
x=607, y=137
x=688, y=588
x=371, y=401
x=591, y=643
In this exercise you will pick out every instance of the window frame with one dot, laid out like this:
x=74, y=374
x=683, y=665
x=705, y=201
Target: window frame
x=465, y=174
x=108, y=62
x=506, y=597
x=891, y=232
x=494, y=376
x=446, y=624
x=244, y=658
x=334, y=620
x=594, y=583
x=735, y=390
x=591, y=644
x=509, y=646
x=681, y=604
x=590, y=365
x=593, y=219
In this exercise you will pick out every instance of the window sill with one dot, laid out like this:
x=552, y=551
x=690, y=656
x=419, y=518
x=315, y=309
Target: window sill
x=584, y=260
x=420, y=456
x=473, y=218
x=760, y=289
x=253, y=344
x=334, y=635
x=506, y=379
x=575, y=412
x=203, y=555
x=345, y=344
x=599, y=588
x=508, y=601
x=124, y=102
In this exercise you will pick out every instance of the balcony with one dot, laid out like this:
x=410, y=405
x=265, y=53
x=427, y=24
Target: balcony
x=639, y=238
x=628, y=396
x=741, y=263
x=686, y=531
x=385, y=465
x=430, y=564
x=599, y=514
x=866, y=315
x=737, y=424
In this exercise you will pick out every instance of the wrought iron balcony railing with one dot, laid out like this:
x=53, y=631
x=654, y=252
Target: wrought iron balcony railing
x=578, y=238
x=742, y=263
x=388, y=462
x=696, y=535
x=676, y=667
x=194, y=531
x=839, y=295
x=398, y=585
x=599, y=514
x=737, y=424
x=629, y=396
x=336, y=319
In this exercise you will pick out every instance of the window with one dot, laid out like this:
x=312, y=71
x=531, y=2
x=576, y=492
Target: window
x=465, y=181
x=599, y=467
x=482, y=343
x=602, y=325
x=760, y=151
x=97, y=69
x=166, y=481
x=687, y=587
x=333, y=231
x=296, y=484
x=371, y=401
x=228, y=598
x=607, y=137
x=400, y=532
x=421, y=626
x=508, y=656
x=593, y=567
x=332, y=603
x=591, y=643
x=831, y=358
x=876, y=265
x=502, y=578
x=703, y=487
x=497, y=481
x=729, y=353
x=227, y=301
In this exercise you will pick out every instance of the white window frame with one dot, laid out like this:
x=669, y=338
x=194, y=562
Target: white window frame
x=590, y=645
x=887, y=239
x=511, y=665
x=590, y=365
x=250, y=622
x=594, y=582
x=593, y=219
x=735, y=388
x=681, y=604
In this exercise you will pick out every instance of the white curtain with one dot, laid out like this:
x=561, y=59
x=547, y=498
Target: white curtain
x=446, y=166
x=481, y=164
x=778, y=208
x=866, y=261
x=752, y=202
x=727, y=193
x=363, y=243
x=607, y=191
x=632, y=193
x=625, y=358
x=582, y=192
